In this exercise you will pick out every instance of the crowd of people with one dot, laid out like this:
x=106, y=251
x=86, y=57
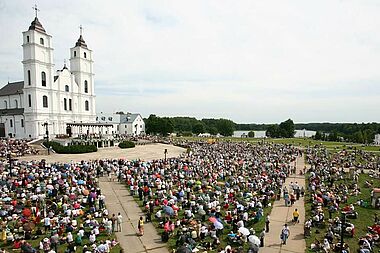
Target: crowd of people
x=53, y=208
x=214, y=193
x=16, y=148
x=333, y=181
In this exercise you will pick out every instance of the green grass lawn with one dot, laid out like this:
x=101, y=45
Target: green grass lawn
x=365, y=215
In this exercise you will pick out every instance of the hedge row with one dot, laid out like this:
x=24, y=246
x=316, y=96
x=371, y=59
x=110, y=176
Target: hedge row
x=72, y=149
x=126, y=144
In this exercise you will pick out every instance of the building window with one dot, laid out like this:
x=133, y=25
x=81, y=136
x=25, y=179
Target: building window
x=75, y=53
x=16, y=103
x=43, y=78
x=70, y=105
x=22, y=122
x=67, y=88
x=6, y=104
x=110, y=118
x=30, y=100
x=86, y=105
x=85, y=86
x=65, y=104
x=11, y=123
x=42, y=41
x=85, y=55
x=27, y=39
x=45, y=101
x=29, y=78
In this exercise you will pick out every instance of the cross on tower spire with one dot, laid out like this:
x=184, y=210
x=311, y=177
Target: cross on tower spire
x=81, y=30
x=35, y=9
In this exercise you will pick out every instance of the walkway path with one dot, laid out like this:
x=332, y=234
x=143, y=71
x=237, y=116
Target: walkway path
x=118, y=199
x=281, y=215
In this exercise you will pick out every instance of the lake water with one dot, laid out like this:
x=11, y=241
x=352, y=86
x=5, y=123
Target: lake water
x=261, y=134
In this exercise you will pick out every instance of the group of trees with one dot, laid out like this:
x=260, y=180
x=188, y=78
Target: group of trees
x=353, y=132
x=188, y=125
x=285, y=129
x=360, y=133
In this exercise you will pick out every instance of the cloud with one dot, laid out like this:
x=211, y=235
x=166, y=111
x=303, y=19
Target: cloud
x=251, y=61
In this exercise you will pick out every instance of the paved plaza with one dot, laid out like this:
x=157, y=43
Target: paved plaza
x=143, y=152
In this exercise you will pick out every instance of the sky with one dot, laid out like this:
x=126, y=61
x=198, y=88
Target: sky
x=250, y=61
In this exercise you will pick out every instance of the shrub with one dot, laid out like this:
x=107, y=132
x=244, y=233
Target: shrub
x=71, y=149
x=126, y=144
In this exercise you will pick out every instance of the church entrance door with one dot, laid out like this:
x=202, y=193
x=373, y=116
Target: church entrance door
x=68, y=131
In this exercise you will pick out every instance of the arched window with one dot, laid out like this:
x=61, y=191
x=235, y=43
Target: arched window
x=27, y=39
x=43, y=78
x=86, y=105
x=70, y=105
x=45, y=101
x=65, y=104
x=29, y=78
x=85, y=86
x=11, y=123
x=16, y=103
x=42, y=41
x=67, y=88
x=85, y=55
x=75, y=53
x=6, y=104
x=30, y=100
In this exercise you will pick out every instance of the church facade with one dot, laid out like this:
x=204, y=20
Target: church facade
x=45, y=97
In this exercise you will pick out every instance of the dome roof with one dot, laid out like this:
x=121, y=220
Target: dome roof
x=81, y=42
x=36, y=25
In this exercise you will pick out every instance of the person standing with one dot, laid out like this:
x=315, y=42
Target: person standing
x=262, y=235
x=267, y=221
x=285, y=232
x=113, y=219
x=119, y=221
x=140, y=226
x=296, y=215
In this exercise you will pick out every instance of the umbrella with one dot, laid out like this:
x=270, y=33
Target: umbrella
x=72, y=196
x=7, y=199
x=168, y=210
x=26, y=212
x=218, y=225
x=50, y=187
x=3, y=213
x=212, y=219
x=61, y=182
x=80, y=181
x=254, y=240
x=244, y=231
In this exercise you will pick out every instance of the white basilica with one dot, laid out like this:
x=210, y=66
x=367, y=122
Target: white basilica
x=61, y=99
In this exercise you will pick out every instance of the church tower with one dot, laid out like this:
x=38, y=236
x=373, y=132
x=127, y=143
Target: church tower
x=38, y=76
x=81, y=65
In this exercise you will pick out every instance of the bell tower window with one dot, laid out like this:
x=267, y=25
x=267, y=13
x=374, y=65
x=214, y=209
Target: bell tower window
x=84, y=55
x=86, y=105
x=75, y=53
x=27, y=39
x=29, y=78
x=43, y=78
x=30, y=100
x=45, y=101
x=67, y=88
x=42, y=41
x=85, y=86
x=65, y=104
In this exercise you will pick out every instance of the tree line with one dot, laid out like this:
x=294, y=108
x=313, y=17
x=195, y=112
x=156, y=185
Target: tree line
x=186, y=126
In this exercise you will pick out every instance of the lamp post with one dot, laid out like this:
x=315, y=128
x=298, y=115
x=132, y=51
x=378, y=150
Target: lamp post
x=165, y=152
x=343, y=223
x=46, y=125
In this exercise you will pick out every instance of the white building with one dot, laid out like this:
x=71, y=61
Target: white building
x=131, y=124
x=377, y=139
x=48, y=96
